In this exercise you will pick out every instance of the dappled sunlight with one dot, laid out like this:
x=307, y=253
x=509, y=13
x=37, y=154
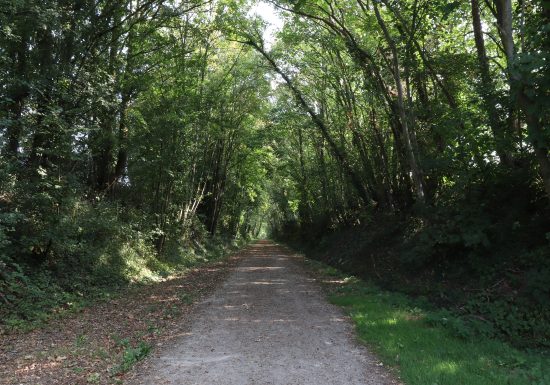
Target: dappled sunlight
x=388, y=321
x=178, y=336
x=376, y=323
x=256, y=320
x=142, y=142
x=37, y=367
x=259, y=268
x=284, y=326
x=448, y=367
x=164, y=299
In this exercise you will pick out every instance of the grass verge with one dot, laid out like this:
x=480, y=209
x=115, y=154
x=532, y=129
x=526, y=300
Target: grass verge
x=421, y=345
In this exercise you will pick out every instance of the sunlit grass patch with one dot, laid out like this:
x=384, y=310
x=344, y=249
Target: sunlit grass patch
x=423, y=353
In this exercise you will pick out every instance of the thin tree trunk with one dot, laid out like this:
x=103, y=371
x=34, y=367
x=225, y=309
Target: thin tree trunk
x=413, y=162
x=488, y=92
x=17, y=93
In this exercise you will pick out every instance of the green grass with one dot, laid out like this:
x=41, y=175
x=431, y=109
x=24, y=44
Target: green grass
x=423, y=353
x=132, y=356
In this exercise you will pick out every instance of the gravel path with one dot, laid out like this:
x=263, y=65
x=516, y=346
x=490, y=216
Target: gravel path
x=268, y=324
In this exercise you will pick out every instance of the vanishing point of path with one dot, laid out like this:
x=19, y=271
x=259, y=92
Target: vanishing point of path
x=267, y=324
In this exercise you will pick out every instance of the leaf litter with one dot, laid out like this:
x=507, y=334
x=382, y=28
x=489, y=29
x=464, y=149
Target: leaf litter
x=100, y=344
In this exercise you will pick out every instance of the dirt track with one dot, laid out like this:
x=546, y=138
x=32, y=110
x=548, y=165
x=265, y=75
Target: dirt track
x=267, y=324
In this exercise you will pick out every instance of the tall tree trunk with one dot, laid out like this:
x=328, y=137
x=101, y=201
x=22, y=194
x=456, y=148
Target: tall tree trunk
x=126, y=94
x=17, y=93
x=304, y=208
x=517, y=87
x=416, y=170
x=505, y=31
x=386, y=177
x=504, y=23
x=488, y=90
x=44, y=135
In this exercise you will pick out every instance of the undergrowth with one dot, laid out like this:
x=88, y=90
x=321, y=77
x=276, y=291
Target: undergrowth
x=33, y=292
x=463, y=267
x=478, y=250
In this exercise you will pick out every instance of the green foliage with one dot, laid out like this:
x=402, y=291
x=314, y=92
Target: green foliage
x=130, y=136
x=516, y=320
x=450, y=235
x=92, y=253
x=490, y=270
x=131, y=356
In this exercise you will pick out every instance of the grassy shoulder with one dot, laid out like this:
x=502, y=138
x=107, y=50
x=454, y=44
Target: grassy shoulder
x=422, y=343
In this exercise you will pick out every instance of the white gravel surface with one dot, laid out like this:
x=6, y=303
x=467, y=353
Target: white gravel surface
x=269, y=323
